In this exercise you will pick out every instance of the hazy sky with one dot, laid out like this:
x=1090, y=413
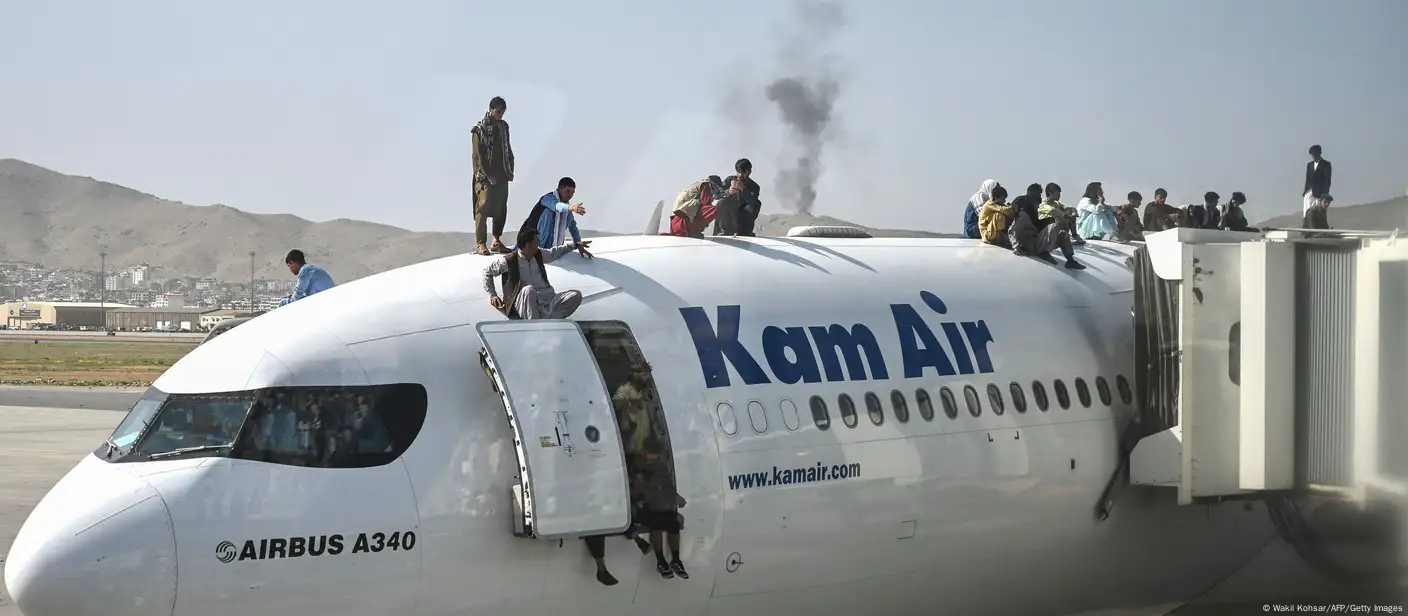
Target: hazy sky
x=355, y=109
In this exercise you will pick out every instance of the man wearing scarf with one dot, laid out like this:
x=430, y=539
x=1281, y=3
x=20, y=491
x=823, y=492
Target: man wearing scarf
x=493, y=170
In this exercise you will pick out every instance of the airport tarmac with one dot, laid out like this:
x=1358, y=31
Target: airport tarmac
x=43, y=433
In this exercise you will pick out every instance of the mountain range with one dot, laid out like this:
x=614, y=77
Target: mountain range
x=64, y=221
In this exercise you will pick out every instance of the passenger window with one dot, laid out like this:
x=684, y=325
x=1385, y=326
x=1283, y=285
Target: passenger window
x=1122, y=384
x=995, y=399
x=333, y=427
x=970, y=395
x=1019, y=400
x=900, y=405
x=820, y=415
x=1083, y=392
x=872, y=406
x=1102, y=387
x=1039, y=394
x=848, y=410
x=926, y=404
x=1063, y=397
x=727, y=422
x=789, y=415
x=758, y=416
x=950, y=405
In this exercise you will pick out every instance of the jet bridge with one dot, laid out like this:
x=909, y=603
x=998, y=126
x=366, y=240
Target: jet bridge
x=1270, y=364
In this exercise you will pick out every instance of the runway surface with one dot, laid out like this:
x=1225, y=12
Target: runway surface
x=43, y=433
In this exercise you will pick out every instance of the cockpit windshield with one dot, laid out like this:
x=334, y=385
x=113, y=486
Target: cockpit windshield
x=162, y=425
x=319, y=426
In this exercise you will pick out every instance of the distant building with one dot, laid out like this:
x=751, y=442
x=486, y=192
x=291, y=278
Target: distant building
x=209, y=319
x=169, y=300
x=157, y=319
x=32, y=315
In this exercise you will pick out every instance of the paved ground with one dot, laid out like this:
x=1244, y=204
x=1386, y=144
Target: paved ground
x=42, y=436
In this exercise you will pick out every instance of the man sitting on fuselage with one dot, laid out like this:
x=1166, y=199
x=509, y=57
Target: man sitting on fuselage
x=527, y=292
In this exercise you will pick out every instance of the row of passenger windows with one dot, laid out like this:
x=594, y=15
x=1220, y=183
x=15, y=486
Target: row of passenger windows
x=924, y=404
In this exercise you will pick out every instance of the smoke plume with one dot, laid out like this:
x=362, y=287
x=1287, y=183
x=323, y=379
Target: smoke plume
x=805, y=96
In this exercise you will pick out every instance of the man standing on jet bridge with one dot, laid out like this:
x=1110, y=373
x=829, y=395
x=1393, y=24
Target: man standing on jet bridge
x=524, y=277
x=311, y=278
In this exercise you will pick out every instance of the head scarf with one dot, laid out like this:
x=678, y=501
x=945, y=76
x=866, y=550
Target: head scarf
x=984, y=193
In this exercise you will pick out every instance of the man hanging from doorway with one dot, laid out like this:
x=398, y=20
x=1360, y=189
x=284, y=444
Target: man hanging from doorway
x=524, y=277
x=493, y=170
x=698, y=204
x=311, y=278
x=652, y=478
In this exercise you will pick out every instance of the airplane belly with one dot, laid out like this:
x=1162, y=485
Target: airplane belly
x=256, y=538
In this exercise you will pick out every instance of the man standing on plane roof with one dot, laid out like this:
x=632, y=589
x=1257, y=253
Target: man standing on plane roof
x=493, y=170
x=1317, y=179
x=311, y=278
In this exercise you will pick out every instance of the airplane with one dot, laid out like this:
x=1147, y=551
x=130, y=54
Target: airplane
x=855, y=424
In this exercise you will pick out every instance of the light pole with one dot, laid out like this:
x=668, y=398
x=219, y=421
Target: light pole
x=251, y=282
x=103, y=289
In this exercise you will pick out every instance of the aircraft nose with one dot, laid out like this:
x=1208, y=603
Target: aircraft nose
x=99, y=543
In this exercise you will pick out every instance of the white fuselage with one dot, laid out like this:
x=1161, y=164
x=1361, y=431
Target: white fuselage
x=993, y=513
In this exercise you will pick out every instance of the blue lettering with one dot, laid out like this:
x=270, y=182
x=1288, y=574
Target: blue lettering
x=918, y=346
x=791, y=358
x=979, y=337
x=714, y=346
x=850, y=343
x=776, y=342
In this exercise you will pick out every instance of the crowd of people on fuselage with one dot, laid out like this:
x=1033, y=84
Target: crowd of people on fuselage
x=990, y=218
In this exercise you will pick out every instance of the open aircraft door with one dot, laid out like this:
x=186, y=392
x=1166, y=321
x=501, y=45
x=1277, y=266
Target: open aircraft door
x=572, y=468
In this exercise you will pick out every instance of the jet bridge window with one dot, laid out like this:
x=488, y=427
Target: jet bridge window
x=995, y=399
x=1083, y=392
x=872, y=406
x=900, y=405
x=333, y=427
x=1039, y=395
x=848, y=410
x=926, y=404
x=1122, y=384
x=1102, y=387
x=1019, y=399
x=820, y=415
x=1063, y=397
x=950, y=405
x=970, y=395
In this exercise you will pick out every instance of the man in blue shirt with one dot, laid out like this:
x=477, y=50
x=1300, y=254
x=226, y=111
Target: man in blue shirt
x=311, y=278
x=556, y=218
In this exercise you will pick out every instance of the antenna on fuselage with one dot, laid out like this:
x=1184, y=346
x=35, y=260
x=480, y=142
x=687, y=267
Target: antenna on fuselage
x=653, y=227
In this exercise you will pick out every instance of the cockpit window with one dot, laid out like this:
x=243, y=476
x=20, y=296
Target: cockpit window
x=328, y=427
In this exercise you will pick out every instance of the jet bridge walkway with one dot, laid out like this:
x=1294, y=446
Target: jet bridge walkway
x=1271, y=362
x=1271, y=366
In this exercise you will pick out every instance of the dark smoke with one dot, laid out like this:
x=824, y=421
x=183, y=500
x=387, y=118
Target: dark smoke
x=806, y=97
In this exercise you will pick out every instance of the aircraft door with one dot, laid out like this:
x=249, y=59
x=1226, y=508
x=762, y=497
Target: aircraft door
x=572, y=468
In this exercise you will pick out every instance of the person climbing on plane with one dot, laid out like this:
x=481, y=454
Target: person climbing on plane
x=1231, y=217
x=697, y=205
x=995, y=218
x=975, y=205
x=493, y=170
x=1203, y=216
x=652, y=478
x=554, y=219
x=1060, y=215
x=1035, y=236
x=311, y=278
x=1095, y=219
x=1159, y=215
x=1128, y=226
x=524, y=278
x=738, y=214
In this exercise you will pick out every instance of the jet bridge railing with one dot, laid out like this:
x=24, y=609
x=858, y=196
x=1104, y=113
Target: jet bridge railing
x=1270, y=362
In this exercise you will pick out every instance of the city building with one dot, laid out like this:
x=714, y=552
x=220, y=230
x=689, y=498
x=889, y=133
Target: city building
x=157, y=319
x=62, y=315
